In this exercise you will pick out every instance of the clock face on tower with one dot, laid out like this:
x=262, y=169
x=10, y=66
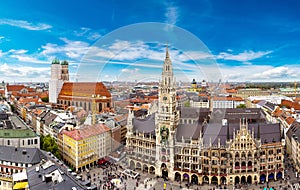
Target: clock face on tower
x=164, y=134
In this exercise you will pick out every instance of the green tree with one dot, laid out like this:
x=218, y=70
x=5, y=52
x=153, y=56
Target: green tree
x=45, y=99
x=49, y=144
x=12, y=107
x=241, y=106
x=187, y=104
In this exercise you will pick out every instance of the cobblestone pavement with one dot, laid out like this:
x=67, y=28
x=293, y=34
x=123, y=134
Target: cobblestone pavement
x=150, y=182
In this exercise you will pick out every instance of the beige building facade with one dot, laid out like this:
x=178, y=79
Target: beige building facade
x=233, y=146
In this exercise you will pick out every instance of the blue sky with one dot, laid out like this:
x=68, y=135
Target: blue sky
x=250, y=40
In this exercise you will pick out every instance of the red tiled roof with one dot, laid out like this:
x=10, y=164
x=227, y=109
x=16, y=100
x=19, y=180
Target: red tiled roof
x=38, y=111
x=87, y=131
x=11, y=88
x=290, y=120
x=278, y=112
x=27, y=100
x=290, y=104
x=140, y=101
x=84, y=89
x=30, y=89
x=202, y=95
x=231, y=90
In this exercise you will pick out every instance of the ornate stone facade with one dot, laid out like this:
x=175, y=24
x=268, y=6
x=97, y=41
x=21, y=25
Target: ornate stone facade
x=199, y=146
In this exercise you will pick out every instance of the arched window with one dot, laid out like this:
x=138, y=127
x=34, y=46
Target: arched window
x=237, y=155
x=243, y=155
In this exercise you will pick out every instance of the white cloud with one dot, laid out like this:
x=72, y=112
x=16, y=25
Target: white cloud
x=23, y=57
x=94, y=36
x=260, y=73
x=171, y=15
x=71, y=49
x=88, y=33
x=193, y=55
x=25, y=24
x=19, y=51
x=276, y=72
x=244, y=56
x=28, y=59
x=23, y=73
x=131, y=71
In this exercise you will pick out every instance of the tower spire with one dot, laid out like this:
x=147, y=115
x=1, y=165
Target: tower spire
x=167, y=51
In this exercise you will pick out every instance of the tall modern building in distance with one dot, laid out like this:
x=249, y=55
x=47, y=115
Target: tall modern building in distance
x=59, y=74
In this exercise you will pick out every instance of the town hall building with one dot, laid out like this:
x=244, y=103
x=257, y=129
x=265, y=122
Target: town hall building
x=196, y=145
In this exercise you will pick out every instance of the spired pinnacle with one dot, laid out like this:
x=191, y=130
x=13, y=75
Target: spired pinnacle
x=167, y=52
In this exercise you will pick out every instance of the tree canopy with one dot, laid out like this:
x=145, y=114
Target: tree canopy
x=49, y=144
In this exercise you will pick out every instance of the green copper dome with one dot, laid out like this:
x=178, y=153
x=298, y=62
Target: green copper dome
x=64, y=62
x=55, y=61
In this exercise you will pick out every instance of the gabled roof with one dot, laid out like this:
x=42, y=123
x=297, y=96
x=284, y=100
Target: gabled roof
x=268, y=132
x=48, y=117
x=84, y=89
x=278, y=112
x=21, y=155
x=87, y=131
x=291, y=104
x=35, y=179
x=294, y=130
x=146, y=125
x=11, y=88
x=188, y=131
x=28, y=100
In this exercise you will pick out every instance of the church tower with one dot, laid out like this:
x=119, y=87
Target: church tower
x=167, y=121
x=65, y=70
x=59, y=74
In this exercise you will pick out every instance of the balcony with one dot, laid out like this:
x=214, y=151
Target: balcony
x=237, y=167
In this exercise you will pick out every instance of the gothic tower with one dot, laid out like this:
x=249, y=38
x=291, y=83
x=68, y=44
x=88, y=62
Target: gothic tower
x=167, y=121
x=59, y=74
x=65, y=70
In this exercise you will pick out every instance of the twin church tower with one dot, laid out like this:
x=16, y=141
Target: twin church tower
x=59, y=75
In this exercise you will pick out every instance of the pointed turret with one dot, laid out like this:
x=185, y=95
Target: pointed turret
x=167, y=74
x=167, y=52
